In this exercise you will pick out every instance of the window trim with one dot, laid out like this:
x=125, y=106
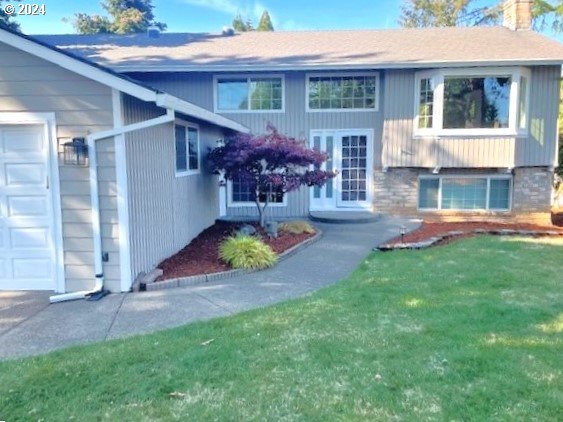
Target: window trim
x=488, y=177
x=308, y=76
x=438, y=77
x=188, y=171
x=233, y=204
x=248, y=77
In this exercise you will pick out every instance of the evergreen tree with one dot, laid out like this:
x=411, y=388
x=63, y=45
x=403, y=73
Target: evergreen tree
x=238, y=23
x=6, y=20
x=265, y=23
x=125, y=17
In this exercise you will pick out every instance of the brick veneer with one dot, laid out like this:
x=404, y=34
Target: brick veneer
x=396, y=192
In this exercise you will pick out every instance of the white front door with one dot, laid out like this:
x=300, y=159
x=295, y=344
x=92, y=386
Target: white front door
x=27, y=258
x=351, y=155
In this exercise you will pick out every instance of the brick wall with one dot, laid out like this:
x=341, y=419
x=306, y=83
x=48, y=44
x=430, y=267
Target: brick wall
x=396, y=192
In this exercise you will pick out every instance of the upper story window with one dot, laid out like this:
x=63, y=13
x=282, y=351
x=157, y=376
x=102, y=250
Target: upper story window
x=187, y=148
x=472, y=102
x=343, y=92
x=249, y=94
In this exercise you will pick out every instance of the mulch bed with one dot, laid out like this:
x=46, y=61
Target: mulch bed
x=429, y=230
x=201, y=255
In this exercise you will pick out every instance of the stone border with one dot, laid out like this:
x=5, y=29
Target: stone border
x=206, y=278
x=432, y=241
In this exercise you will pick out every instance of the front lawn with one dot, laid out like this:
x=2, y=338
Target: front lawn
x=467, y=331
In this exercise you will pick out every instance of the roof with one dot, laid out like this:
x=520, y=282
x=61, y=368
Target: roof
x=95, y=71
x=393, y=48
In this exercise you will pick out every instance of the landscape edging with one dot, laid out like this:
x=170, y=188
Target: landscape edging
x=206, y=278
x=431, y=241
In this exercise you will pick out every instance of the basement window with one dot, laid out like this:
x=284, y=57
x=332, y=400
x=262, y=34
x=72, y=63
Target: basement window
x=465, y=193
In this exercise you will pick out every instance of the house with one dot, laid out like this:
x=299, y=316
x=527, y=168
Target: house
x=68, y=224
x=443, y=123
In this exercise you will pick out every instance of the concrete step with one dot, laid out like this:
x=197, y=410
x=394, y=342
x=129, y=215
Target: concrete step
x=344, y=217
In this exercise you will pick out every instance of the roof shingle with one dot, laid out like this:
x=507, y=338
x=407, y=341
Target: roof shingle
x=314, y=49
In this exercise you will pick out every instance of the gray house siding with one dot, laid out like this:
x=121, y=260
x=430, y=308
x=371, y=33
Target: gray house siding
x=165, y=212
x=402, y=149
x=539, y=149
x=81, y=106
x=295, y=121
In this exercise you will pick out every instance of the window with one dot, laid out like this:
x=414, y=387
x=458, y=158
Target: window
x=241, y=193
x=187, y=149
x=426, y=103
x=476, y=102
x=342, y=92
x=464, y=193
x=486, y=101
x=245, y=94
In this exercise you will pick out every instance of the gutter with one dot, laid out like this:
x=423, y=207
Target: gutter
x=95, y=201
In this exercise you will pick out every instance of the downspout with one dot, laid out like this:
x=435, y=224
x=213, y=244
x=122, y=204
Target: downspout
x=95, y=202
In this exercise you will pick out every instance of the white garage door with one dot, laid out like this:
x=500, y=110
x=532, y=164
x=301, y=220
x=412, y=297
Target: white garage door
x=26, y=223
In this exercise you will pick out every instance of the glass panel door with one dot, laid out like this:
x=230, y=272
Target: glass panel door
x=353, y=177
x=350, y=154
x=323, y=197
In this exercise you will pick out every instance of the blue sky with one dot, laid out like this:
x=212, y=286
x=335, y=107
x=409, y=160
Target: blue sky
x=212, y=15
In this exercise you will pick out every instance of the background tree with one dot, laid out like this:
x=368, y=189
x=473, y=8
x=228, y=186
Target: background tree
x=265, y=23
x=238, y=23
x=269, y=162
x=6, y=20
x=125, y=17
x=439, y=13
x=246, y=25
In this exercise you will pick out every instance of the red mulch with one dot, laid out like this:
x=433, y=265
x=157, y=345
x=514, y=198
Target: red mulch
x=428, y=230
x=201, y=255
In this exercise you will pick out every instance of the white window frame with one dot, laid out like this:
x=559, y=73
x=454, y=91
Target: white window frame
x=248, y=78
x=438, y=77
x=488, y=177
x=233, y=204
x=308, y=76
x=188, y=171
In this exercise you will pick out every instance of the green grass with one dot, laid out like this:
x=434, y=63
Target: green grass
x=468, y=331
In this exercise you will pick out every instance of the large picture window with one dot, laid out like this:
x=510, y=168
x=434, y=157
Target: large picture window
x=246, y=94
x=342, y=92
x=187, y=149
x=464, y=193
x=472, y=102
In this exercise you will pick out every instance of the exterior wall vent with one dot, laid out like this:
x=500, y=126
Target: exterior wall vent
x=153, y=31
x=228, y=31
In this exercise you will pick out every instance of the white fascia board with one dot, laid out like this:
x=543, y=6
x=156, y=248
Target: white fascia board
x=76, y=66
x=181, y=106
x=331, y=66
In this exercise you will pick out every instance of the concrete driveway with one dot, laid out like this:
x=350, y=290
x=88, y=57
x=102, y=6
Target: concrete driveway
x=30, y=325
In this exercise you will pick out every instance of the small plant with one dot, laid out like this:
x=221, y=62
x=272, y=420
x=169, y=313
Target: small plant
x=297, y=227
x=247, y=252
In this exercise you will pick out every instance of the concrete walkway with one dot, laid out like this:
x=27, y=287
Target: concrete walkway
x=29, y=325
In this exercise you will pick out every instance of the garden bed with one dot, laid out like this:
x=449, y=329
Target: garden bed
x=452, y=231
x=201, y=255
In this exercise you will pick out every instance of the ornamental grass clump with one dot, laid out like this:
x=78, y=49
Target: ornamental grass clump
x=247, y=252
x=297, y=227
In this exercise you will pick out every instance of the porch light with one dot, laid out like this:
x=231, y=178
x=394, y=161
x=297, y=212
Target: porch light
x=76, y=152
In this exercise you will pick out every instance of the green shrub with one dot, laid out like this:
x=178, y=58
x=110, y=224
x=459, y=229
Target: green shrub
x=297, y=227
x=247, y=252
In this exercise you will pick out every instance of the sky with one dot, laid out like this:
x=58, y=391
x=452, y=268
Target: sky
x=212, y=15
